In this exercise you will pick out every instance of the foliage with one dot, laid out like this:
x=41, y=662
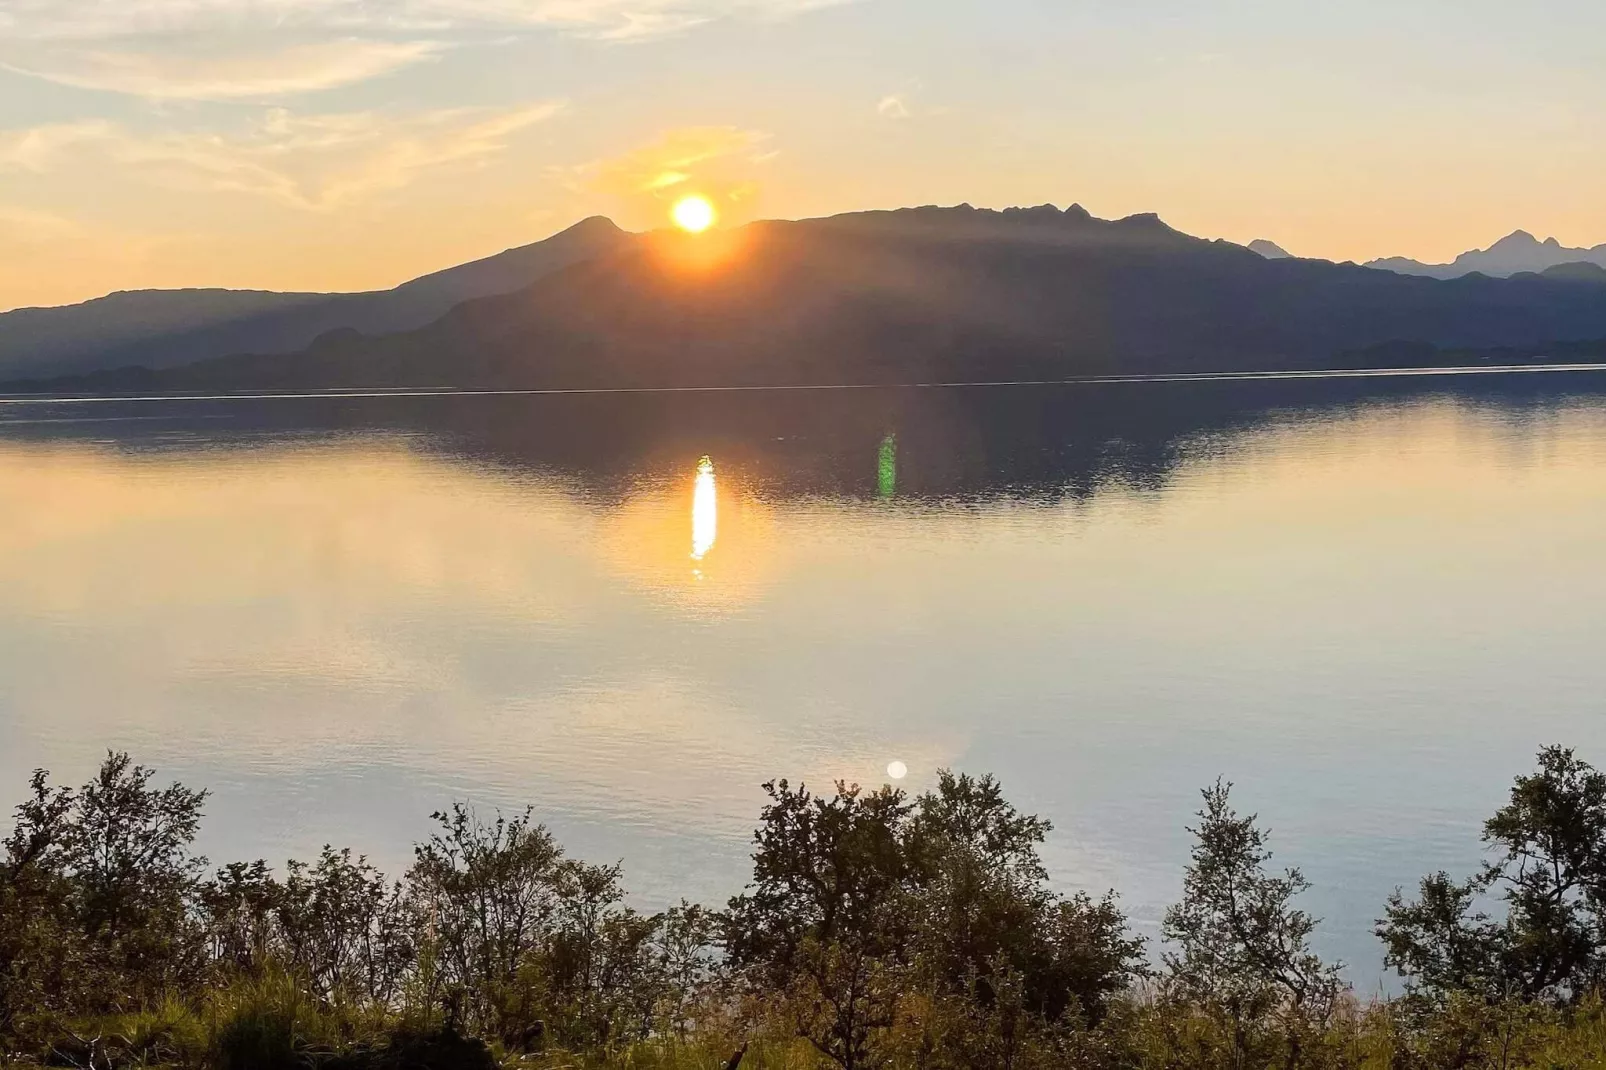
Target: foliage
x=36, y=931
x=95, y=890
x=879, y=931
x=519, y=941
x=861, y=898
x=823, y=922
x=1549, y=871
x=1242, y=948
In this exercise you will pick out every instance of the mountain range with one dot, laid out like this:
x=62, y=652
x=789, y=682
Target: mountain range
x=1517, y=252
x=163, y=328
x=912, y=295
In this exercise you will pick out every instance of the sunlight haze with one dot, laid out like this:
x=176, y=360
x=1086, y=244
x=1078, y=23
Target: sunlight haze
x=802, y=534
x=337, y=145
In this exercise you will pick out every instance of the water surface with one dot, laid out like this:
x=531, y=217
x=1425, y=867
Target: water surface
x=1366, y=604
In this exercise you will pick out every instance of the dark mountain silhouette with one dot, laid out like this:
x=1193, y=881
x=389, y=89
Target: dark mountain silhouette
x=1517, y=252
x=1268, y=249
x=919, y=295
x=1577, y=272
x=163, y=328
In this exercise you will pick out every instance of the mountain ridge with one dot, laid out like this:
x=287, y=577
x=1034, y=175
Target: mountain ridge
x=925, y=294
x=165, y=328
x=168, y=328
x=1517, y=252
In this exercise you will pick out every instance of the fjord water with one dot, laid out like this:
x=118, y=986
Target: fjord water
x=1367, y=603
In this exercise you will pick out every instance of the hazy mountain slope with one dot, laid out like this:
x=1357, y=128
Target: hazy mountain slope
x=923, y=295
x=164, y=328
x=499, y=274
x=1577, y=272
x=1517, y=252
x=39, y=339
x=1268, y=249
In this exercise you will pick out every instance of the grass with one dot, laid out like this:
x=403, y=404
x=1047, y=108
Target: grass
x=272, y=1023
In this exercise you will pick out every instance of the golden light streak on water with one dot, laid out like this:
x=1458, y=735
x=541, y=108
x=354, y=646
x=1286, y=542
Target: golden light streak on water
x=704, y=511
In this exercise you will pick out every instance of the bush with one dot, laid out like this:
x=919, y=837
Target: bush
x=880, y=932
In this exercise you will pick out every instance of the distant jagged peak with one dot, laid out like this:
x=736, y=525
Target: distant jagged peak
x=1521, y=251
x=1269, y=249
x=1041, y=211
x=964, y=208
x=1517, y=243
x=1145, y=221
x=1517, y=253
x=1043, y=221
x=1516, y=239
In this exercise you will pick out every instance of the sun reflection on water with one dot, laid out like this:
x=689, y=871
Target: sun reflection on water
x=704, y=511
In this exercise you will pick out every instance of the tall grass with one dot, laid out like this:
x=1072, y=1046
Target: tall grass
x=271, y=1022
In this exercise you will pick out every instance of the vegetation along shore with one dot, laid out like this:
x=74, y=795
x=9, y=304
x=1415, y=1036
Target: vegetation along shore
x=878, y=930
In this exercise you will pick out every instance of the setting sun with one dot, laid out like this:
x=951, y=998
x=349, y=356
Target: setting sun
x=694, y=214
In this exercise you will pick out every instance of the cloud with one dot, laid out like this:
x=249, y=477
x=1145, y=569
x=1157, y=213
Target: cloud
x=38, y=148
x=222, y=71
x=100, y=19
x=275, y=48
x=721, y=163
x=893, y=106
x=311, y=162
x=678, y=158
x=618, y=19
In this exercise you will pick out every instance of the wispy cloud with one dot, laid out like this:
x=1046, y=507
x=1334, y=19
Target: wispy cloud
x=678, y=158
x=39, y=148
x=893, y=106
x=310, y=162
x=722, y=163
x=224, y=49
x=216, y=70
x=121, y=18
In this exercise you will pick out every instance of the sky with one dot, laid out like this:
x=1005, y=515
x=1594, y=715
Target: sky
x=352, y=144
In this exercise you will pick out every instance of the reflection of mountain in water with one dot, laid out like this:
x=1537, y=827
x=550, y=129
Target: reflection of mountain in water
x=1050, y=443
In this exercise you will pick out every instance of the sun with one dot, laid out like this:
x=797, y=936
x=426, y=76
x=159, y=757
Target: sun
x=694, y=214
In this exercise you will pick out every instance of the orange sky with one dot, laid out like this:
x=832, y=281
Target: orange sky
x=332, y=144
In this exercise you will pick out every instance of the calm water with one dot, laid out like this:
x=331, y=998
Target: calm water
x=1367, y=604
